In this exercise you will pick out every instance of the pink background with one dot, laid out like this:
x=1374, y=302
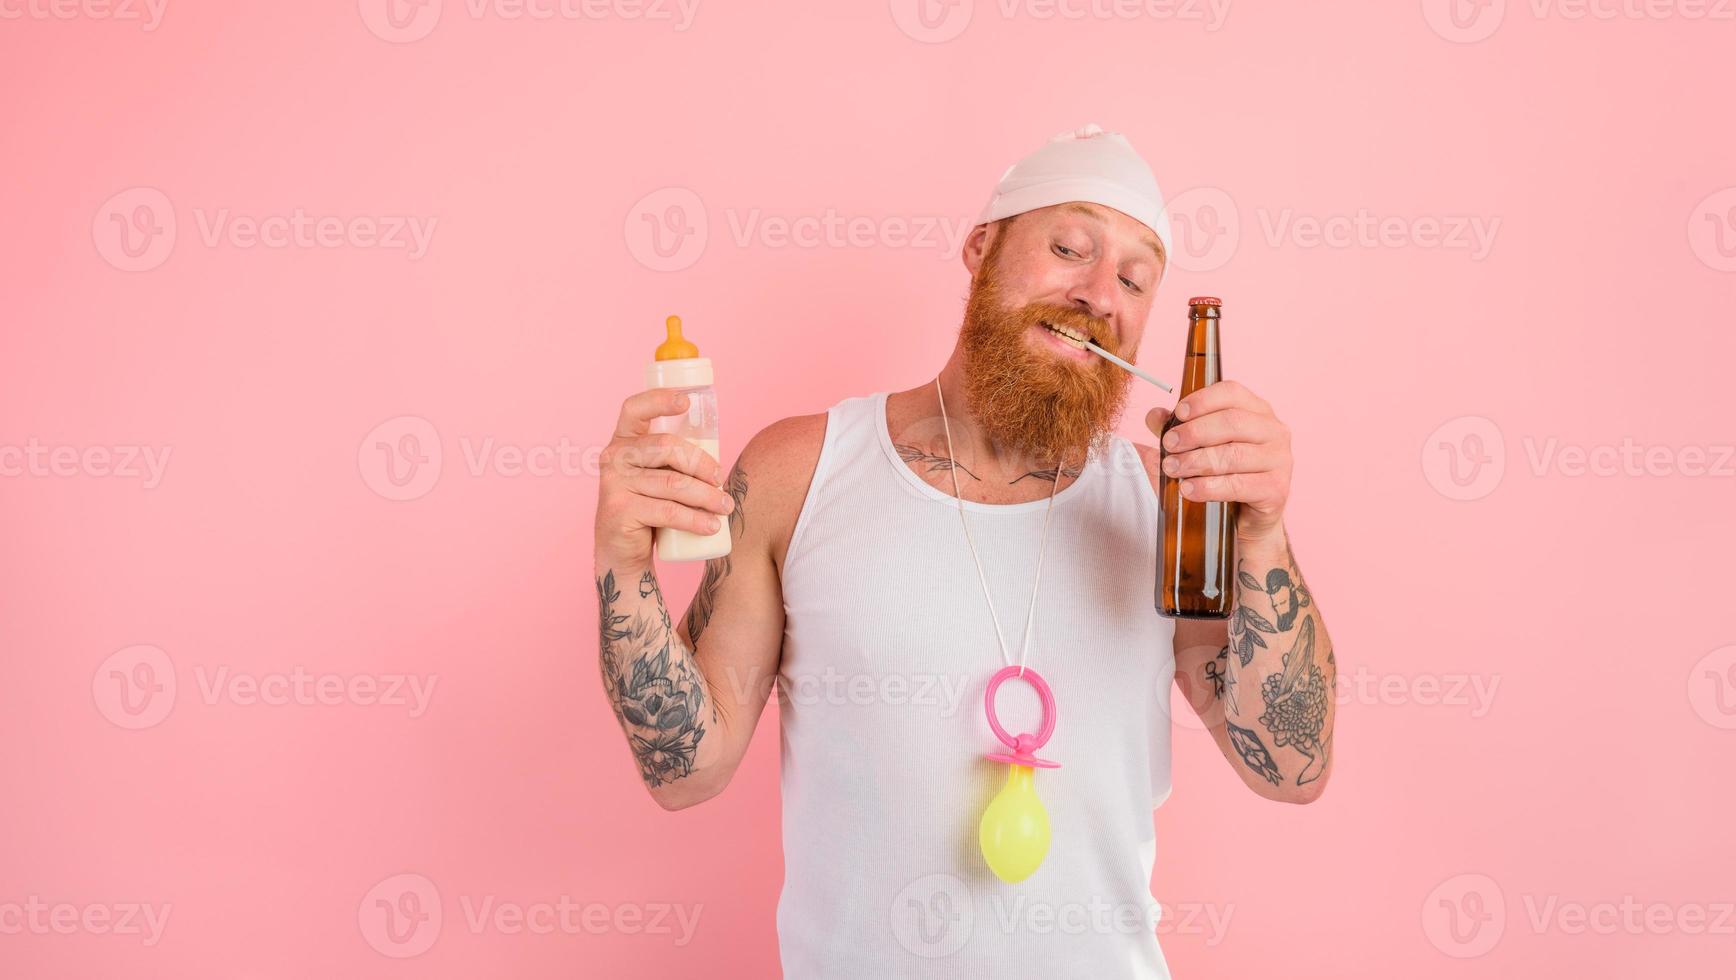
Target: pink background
x=1596, y=607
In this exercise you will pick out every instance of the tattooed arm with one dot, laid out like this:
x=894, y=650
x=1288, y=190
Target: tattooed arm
x=1263, y=681
x=689, y=695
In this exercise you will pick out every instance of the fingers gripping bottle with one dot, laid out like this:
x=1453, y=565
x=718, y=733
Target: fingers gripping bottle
x=679, y=366
x=1196, y=546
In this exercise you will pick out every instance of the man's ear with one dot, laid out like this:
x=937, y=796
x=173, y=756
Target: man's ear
x=976, y=246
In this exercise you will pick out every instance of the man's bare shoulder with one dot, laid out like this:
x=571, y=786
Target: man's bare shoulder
x=788, y=448
x=772, y=474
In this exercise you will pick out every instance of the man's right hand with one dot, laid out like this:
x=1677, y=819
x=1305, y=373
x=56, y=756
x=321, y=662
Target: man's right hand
x=689, y=713
x=650, y=480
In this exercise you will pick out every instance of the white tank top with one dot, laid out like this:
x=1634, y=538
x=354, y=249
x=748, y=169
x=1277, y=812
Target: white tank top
x=888, y=648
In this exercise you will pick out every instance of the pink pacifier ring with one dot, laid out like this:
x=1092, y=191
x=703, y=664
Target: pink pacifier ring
x=1026, y=743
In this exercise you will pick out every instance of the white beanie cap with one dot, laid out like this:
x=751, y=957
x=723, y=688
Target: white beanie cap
x=1085, y=164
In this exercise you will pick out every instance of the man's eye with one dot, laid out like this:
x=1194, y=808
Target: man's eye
x=1131, y=284
x=1065, y=250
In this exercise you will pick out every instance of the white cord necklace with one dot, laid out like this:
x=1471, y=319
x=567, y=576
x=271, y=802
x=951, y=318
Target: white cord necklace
x=1014, y=830
x=1042, y=544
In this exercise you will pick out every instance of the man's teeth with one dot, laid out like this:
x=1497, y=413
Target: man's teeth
x=1068, y=334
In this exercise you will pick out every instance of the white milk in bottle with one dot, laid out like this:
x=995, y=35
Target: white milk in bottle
x=678, y=365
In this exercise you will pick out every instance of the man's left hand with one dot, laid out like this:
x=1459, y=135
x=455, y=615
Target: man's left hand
x=1227, y=445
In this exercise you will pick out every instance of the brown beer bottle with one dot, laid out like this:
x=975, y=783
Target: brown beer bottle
x=1196, y=539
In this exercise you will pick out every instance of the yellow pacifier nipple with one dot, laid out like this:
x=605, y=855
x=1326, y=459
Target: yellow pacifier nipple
x=1014, y=833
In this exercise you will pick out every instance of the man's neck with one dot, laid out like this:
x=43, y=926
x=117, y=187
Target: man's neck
x=987, y=472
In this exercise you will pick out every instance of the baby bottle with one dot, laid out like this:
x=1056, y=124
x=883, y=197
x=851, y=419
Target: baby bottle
x=678, y=365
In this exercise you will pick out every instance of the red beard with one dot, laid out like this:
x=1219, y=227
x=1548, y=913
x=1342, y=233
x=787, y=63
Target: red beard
x=1028, y=401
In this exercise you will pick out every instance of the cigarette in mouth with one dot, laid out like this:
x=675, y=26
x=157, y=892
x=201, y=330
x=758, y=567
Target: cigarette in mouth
x=1123, y=364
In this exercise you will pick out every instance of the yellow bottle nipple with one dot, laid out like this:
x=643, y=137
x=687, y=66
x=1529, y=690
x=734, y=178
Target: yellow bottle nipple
x=676, y=347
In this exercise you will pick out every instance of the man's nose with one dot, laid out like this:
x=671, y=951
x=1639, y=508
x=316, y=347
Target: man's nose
x=1094, y=293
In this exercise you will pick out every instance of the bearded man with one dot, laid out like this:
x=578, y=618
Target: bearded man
x=899, y=551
